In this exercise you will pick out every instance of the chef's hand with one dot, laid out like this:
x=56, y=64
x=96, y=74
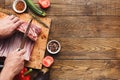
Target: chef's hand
x=8, y=25
x=14, y=63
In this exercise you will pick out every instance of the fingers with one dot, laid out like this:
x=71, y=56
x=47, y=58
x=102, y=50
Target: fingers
x=15, y=19
x=11, y=17
x=22, y=59
x=18, y=23
x=21, y=52
x=7, y=17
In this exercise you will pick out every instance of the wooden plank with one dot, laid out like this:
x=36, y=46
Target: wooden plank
x=2, y=3
x=85, y=27
x=85, y=7
x=89, y=48
x=40, y=45
x=81, y=7
x=86, y=70
x=8, y=2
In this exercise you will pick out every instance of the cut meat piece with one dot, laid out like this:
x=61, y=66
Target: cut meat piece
x=33, y=32
x=5, y=46
x=1, y=47
x=28, y=47
x=13, y=43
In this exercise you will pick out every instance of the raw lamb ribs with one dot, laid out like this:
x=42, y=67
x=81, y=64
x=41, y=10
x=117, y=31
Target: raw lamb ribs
x=33, y=32
x=12, y=43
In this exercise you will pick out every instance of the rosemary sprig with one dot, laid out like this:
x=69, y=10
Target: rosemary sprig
x=35, y=17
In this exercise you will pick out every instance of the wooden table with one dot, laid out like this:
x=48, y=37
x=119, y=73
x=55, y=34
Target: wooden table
x=89, y=32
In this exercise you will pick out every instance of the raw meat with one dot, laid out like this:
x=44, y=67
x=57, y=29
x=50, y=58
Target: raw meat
x=33, y=32
x=12, y=43
x=1, y=47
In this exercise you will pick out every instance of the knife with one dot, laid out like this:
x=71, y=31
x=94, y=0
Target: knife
x=2, y=62
x=25, y=35
x=23, y=39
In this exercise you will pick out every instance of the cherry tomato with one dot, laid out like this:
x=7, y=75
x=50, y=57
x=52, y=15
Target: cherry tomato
x=47, y=61
x=44, y=3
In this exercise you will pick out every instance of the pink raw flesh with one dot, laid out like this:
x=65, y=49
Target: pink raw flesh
x=12, y=43
x=33, y=32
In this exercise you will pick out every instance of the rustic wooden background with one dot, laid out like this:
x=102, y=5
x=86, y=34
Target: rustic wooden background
x=89, y=32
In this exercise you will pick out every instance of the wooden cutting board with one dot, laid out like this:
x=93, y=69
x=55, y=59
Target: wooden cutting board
x=40, y=45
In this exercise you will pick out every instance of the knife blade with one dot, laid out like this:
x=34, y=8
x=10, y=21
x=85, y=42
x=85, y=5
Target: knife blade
x=23, y=39
x=25, y=35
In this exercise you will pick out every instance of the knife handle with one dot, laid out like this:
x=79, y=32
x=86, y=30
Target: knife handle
x=1, y=66
x=19, y=49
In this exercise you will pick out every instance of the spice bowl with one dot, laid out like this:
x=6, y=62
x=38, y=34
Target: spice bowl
x=19, y=6
x=53, y=47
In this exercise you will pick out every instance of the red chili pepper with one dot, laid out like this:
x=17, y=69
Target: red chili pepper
x=27, y=77
x=21, y=75
x=23, y=70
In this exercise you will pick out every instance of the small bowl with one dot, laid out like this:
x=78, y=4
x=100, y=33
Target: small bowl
x=53, y=47
x=14, y=6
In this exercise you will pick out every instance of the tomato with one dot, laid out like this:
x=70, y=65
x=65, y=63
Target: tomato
x=48, y=61
x=44, y=3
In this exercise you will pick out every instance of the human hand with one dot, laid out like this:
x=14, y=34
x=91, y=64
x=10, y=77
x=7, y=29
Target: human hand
x=8, y=25
x=14, y=63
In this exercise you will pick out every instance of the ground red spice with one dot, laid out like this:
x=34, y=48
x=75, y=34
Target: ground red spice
x=20, y=5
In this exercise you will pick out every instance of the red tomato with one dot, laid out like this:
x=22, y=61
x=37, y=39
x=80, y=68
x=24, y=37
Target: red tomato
x=47, y=61
x=44, y=3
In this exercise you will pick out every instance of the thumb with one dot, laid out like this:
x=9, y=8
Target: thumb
x=21, y=52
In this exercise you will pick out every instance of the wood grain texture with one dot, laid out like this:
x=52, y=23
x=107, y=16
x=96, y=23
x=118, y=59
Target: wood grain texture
x=2, y=2
x=86, y=70
x=85, y=27
x=89, y=48
x=40, y=45
x=81, y=7
x=84, y=7
x=89, y=32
